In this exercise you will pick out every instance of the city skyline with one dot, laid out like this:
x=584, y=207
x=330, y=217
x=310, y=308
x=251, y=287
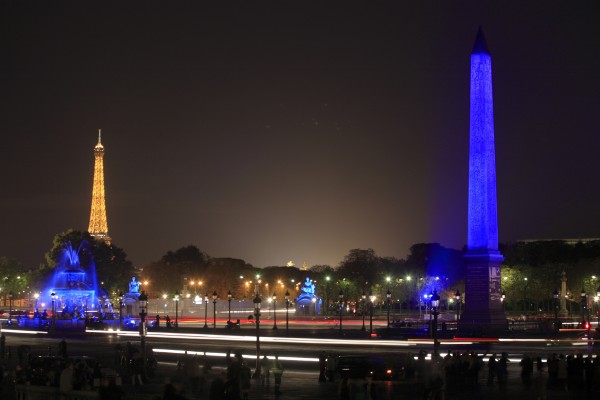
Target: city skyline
x=253, y=134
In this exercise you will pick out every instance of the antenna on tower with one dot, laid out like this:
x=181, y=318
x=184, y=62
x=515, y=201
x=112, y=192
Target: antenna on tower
x=99, y=136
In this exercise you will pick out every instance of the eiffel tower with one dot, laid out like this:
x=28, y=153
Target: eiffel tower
x=98, y=224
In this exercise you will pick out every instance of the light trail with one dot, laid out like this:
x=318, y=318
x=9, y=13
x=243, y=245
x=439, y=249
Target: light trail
x=24, y=332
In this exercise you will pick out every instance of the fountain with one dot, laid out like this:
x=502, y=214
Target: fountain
x=308, y=303
x=73, y=296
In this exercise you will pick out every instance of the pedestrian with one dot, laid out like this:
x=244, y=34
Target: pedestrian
x=157, y=321
x=217, y=387
x=265, y=371
x=561, y=373
x=137, y=369
x=331, y=367
x=2, y=345
x=168, y=322
x=228, y=358
x=62, y=348
x=245, y=377
x=277, y=373
x=539, y=381
x=502, y=369
x=526, y=369
x=234, y=374
x=322, y=366
x=110, y=391
x=66, y=380
x=173, y=391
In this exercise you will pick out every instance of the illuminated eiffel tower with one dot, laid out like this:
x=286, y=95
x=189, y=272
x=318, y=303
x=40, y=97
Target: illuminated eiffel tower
x=98, y=224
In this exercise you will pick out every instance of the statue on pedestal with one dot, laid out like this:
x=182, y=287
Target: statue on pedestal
x=134, y=286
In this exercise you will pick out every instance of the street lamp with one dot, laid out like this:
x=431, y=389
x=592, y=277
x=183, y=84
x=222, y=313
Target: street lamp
x=388, y=295
x=555, y=296
x=457, y=298
x=121, y=310
x=143, y=302
x=257, y=302
x=503, y=300
x=598, y=311
x=205, y=310
x=341, y=296
x=214, y=296
x=371, y=300
x=435, y=302
x=176, y=298
x=53, y=322
x=287, y=309
x=583, y=304
x=274, y=311
x=10, y=298
x=363, y=298
x=229, y=306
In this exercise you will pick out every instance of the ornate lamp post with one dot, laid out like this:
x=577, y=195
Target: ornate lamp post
x=205, y=310
x=214, y=296
x=435, y=302
x=371, y=300
x=583, y=304
x=287, y=309
x=388, y=296
x=143, y=302
x=176, y=298
x=121, y=310
x=341, y=296
x=53, y=321
x=555, y=295
x=10, y=298
x=229, y=306
x=257, y=302
x=598, y=311
x=363, y=298
x=274, y=311
x=457, y=298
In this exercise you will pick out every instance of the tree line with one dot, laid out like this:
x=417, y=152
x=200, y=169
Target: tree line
x=362, y=272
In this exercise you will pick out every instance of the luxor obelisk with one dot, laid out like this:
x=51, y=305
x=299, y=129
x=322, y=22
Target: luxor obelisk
x=483, y=306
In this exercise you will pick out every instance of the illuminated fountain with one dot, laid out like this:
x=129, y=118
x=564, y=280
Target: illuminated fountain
x=73, y=291
x=308, y=303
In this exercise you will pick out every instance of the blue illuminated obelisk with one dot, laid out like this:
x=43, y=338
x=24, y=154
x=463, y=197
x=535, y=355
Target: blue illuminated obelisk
x=483, y=292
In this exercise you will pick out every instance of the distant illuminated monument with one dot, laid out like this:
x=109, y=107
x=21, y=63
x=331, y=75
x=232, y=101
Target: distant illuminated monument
x=483, y=292
x=98, y=224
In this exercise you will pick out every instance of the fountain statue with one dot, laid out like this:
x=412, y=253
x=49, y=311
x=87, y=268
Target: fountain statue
x=308, y=302
x=72, y=295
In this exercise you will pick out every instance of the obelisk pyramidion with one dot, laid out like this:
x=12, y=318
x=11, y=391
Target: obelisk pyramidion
x=483, y=292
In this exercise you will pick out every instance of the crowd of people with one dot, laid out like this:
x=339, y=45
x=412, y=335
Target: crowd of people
x=454, y=373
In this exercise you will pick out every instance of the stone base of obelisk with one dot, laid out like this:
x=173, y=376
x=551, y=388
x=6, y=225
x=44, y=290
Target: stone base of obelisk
x=484, y=312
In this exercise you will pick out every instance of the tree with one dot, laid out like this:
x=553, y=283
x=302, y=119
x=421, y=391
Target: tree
x=13, y=278
x=361, y=267
x=175, y=269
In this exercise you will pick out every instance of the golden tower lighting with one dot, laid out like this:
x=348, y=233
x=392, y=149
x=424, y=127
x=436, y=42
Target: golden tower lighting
x=98, y=224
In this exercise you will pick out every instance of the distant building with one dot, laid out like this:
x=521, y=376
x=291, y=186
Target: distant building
x=571, y=242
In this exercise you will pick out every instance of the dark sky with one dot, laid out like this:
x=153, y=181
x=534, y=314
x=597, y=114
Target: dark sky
x=293, y=130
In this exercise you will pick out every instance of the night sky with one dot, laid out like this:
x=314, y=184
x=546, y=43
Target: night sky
x=293, y=130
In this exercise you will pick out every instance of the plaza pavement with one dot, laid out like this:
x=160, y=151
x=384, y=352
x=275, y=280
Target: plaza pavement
x=304, y=385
